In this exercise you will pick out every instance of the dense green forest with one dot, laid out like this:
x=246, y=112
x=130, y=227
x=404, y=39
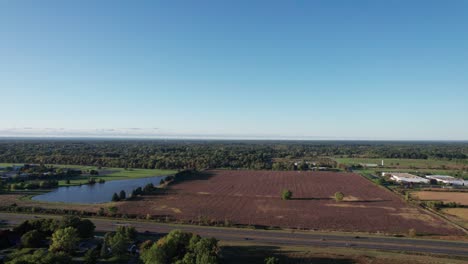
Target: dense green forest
x=180, y=154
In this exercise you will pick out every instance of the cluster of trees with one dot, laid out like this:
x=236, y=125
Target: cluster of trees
x=180, y=248
x=92, y=180
x=119, y=197
x=31, y=185
x=50, y=241
x=46, y=227
x=279, y=155
x=149, y=188
x=63, y=234
x=117, y=243
x=437, y=205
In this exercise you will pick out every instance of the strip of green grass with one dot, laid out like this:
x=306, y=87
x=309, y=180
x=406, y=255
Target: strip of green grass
x=420, y=163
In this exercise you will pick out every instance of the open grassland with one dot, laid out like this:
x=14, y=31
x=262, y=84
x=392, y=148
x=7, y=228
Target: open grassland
x=253, y=198
x=457, y=197
x=111, y=174
x=245, y=252
x=408, y=163
x=108, y=174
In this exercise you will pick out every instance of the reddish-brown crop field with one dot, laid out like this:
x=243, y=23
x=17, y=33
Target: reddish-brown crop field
x=253, y=198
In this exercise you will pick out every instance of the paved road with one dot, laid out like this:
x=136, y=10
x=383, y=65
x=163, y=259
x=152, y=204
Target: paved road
x=279, y=237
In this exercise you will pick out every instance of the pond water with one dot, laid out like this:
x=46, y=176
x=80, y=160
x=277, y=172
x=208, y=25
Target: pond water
x=95, y=193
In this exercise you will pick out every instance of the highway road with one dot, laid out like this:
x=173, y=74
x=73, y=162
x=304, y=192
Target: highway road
x=311, y=238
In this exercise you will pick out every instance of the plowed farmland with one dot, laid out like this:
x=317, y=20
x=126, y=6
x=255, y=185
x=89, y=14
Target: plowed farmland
x=253, y=198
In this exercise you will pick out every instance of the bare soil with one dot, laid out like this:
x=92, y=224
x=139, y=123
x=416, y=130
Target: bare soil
x=253, y=198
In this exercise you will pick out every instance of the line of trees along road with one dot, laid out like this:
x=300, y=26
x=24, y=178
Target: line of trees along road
x=158, y=154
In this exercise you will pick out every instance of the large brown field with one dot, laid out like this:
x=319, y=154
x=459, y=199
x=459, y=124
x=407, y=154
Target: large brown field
x=458, y=197
x=253, y=198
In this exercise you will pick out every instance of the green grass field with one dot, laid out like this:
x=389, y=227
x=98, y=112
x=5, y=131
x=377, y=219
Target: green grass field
x=108, y=174
x=119, y=174
x=406, y=163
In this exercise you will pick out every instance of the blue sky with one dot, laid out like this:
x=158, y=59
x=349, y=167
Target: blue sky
x=235, y=69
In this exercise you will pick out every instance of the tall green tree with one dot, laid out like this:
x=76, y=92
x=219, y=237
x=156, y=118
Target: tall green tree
x=122, y=195
x=64, y=239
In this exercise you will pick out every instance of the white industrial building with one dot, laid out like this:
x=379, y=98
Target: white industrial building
x=405, y=177
x=447, y=179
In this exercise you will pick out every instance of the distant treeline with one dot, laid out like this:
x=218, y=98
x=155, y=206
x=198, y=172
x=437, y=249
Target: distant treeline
x=172, y=154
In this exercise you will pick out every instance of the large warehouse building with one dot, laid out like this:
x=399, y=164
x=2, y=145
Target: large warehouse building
x=405, y=177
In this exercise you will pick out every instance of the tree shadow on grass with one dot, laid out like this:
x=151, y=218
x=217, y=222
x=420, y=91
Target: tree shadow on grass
x=257, y=254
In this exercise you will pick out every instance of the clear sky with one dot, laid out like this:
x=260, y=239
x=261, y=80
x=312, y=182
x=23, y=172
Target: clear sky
x=235, y=69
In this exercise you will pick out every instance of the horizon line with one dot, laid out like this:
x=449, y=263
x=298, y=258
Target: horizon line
x=209, y=138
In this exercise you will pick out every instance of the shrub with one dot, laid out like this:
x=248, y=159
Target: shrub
x=286, y=194
x=91, y=180
x=412, y=232
x=339, y=196
x=91, y=256
x=272, y=260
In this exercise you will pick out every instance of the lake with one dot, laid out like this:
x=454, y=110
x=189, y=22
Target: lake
x=95, y=193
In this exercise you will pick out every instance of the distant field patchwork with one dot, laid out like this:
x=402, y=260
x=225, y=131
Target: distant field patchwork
x=446, y=197
x=406, y=163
